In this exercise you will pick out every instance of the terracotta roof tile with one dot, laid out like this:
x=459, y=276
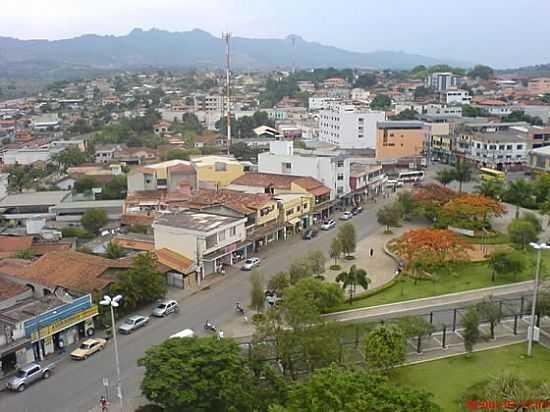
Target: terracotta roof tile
x=68, y=269
x=9, y=289
x=283, y=182
x=245, y=203
x=174, y=260
x=15, y=243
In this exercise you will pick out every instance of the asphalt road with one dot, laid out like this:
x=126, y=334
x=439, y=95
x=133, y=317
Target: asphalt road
x=77, y=386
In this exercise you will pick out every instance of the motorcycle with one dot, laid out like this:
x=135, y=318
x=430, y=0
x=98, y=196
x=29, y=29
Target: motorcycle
x=209, y=326
x=239, y=309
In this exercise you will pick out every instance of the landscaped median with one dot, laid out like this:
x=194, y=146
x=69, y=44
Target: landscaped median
x=457, y=277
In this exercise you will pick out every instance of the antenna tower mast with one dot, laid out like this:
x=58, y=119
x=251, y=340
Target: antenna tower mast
x=227, y=37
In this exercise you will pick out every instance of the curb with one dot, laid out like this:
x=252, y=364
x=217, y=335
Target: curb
x=448, y=295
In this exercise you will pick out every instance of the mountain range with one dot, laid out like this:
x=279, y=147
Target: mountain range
x=195, y=48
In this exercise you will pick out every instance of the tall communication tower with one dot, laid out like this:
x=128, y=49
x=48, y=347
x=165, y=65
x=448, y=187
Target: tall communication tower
x=293, y=40
x=227, y=37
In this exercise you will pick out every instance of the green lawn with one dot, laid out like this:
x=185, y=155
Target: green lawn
x=448, y=378
x=466, y=276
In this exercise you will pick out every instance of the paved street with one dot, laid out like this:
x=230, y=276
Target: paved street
x=77, y=386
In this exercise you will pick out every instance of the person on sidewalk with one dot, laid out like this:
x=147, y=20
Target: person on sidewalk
x=103, y=404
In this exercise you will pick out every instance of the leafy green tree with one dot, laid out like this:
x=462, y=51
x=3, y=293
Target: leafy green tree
x=279, y=282
x=522, y=232
x=94, y=219
x=407, y=114
x=445, y=176
x=505, y=262
x=197, y=374
x=519, y=193
x=545, y=98
x=317, y=261
x=181, y=154
x=531, y=217
x=490, y=311
x=26, y=254
x=142, y=283
x=471, y=111
x=348, y=238
x=381, y=102
x=385, y=347
x=490, y=188
x=324, y=295
x=85, y=183
x=520, y=116
x=415, y=327
x=115, y=189
x=482, y=72
x=389, y=216
x=190, y=122
x=405, y=202
x=69, y=157
x=114, y=250
x=471, y=333
x=335, y=250
x=353, y=278
x=462, y=173
x=350, y=390
x=300, y=268
x=366, y=81
x=421, y=91
x=257, y=296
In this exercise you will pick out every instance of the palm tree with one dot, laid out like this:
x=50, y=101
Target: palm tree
x=114, y=250
x=351, y=279
x=445, y=176
x=490, y=188
x=462, y=172
x=517, y=193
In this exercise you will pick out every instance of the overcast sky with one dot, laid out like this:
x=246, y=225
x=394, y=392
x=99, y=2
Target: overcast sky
x=503, y=33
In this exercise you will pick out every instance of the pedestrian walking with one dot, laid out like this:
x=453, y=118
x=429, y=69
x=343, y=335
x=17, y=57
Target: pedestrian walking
x=103, y=404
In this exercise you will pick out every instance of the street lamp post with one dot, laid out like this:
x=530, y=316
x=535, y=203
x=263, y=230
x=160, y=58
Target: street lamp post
x=113, y=303
x=539, y=247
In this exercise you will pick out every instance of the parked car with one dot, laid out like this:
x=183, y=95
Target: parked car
x=328, y=224
x=250, y=263
x=133, y=323
x=356, y=210
x=346, y=216
x=309, y=234
x=28, y=374
x=165, y=308
x=88, y=348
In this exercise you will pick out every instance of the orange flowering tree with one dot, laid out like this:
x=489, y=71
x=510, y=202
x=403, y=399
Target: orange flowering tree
x=429, y=198
x=430, y=248
x=470, y=211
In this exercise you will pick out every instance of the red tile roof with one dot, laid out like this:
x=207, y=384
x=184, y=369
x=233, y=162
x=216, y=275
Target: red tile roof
x=68, y=269
x=9, y=289
x=245, y=203
x=283, y=182
x=15, y=243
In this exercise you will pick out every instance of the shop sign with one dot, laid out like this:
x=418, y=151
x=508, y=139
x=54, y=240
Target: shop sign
x=63, y=324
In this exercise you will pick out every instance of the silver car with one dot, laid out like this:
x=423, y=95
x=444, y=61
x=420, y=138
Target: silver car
x=26, y=375
x=132, y=323
x=250, y=263
x=165, y=308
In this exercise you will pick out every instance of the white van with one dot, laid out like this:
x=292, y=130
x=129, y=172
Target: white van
x=186, y=333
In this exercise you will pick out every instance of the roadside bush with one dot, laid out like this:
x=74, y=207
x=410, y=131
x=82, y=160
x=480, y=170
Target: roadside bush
x=77, y=232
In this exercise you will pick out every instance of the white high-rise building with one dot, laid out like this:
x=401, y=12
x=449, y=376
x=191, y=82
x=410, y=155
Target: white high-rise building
x=441, y=81
x=349, y=127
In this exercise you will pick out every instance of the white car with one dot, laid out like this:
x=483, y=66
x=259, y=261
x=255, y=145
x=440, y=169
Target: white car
x=346, y=216
x=165, y=308
x=133, y=323
x=328, y=224
x=250, y=263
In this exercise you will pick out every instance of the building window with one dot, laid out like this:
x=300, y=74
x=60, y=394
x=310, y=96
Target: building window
x=233, y=231
x=519, y=147
x=340, y=190
x=221, y=235
x=220, y=167
x=211, y=241
x=340, y=176
x=286, y=167
x=501, y=147
x=289, y=212
x=509, y=147
x=340, y=163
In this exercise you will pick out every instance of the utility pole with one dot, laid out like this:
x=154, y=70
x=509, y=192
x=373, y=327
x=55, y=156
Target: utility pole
x=227, y=38
x=293, y=40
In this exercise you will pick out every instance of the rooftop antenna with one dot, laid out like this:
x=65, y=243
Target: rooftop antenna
x=226, y=36
x=293, y=40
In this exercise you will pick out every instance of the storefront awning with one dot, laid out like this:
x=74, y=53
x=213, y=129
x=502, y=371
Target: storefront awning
x=211, y=257
x=294, y=221
x=14, y=346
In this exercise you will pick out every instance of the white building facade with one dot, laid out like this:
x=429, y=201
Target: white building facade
x=456, y=97
x=349, y=128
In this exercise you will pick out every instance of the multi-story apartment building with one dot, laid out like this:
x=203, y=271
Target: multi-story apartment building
x=456, y=97
x=498, y=147
x=209, y=103
x=441, y=81
x=349, y=127
x=331, y=169
x=398, y=139
x=320, y=102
